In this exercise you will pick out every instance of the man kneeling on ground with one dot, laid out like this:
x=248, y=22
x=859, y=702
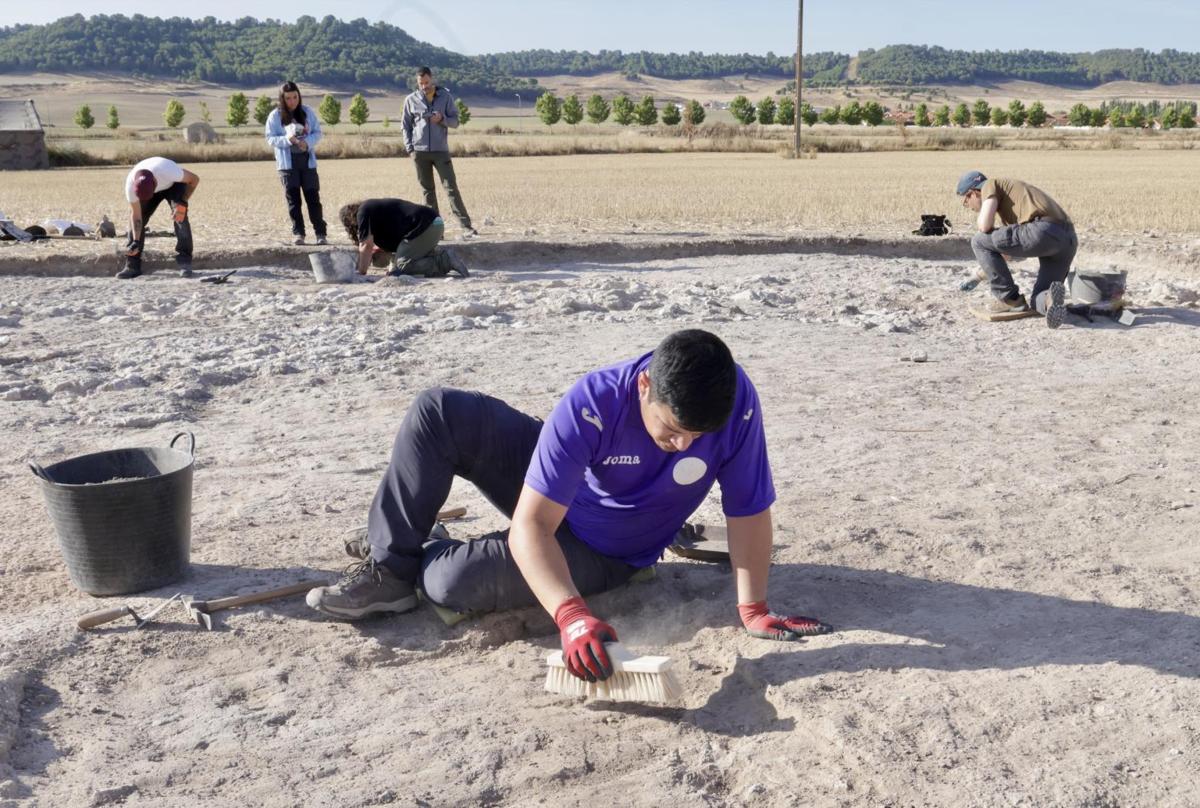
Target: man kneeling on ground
x=385, y=226
x=152, y=181
x=594, y=495
x=1035, y=226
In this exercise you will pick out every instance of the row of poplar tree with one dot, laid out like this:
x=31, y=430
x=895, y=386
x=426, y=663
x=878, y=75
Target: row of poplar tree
x=238, y=112
x=625, y=111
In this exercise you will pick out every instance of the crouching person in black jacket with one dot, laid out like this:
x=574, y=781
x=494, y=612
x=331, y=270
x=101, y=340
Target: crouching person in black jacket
x=405, y=233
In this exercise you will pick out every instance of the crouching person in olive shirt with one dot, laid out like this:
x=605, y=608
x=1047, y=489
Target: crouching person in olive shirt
x=405, y=232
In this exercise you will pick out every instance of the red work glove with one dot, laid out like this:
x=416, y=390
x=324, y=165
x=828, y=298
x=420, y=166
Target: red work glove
x=759, y=621
x=180, y=212
x=583, y=638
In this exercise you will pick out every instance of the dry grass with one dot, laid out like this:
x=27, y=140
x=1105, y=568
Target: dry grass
x=127, y=147
x=873, y=194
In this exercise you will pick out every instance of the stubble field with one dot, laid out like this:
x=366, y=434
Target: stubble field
x=883, y=194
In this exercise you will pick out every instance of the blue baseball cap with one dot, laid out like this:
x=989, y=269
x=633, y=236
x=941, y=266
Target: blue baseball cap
x=970, y=181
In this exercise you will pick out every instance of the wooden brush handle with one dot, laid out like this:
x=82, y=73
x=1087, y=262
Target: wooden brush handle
x=255, y=597
x=102, y=616
x=451, y=513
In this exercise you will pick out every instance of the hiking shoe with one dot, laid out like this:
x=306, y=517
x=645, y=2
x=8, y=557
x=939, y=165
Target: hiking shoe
x=970, y=283
x=186, y=272
x=321, y=242
x=1056, y=311
x=457, y=266
x=357, y=546
x=129, y=272
x=299, y=242
x=998, y=306
x=469, y=234
x=366, y=588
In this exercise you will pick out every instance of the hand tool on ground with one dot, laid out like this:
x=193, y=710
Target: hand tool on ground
x=702, y=543
x=450, y=514
x=201, y=610
x=102, y=616
x=215, y=279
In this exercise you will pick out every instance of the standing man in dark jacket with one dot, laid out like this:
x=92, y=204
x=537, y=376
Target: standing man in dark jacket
x=429, y=114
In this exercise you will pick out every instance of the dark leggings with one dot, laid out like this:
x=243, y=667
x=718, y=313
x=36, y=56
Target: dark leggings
x=303, y=180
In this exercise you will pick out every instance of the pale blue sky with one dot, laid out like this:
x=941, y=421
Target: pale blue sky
x=728, y=26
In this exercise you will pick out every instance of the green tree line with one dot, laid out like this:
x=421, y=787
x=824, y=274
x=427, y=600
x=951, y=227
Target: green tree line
x=817, y=66
x=362, y=53
x=247, y=51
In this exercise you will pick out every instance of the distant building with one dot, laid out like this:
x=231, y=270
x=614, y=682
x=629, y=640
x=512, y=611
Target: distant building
x=22, y=141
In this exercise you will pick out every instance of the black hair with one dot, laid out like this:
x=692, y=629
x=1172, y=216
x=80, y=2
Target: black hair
x=286, y=115
x=424, y=71
x=693, y=373
x=348, y=215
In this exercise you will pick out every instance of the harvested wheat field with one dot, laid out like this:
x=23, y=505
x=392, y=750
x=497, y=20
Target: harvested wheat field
x=1112, y=195
x=999, y=520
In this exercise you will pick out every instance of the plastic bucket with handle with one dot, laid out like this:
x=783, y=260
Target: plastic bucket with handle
x=123, y=517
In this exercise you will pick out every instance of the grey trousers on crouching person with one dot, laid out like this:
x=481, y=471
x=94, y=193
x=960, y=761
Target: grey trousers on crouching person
x=448, y=433
x=1053, y=244
x=426, y=162
x=420, y=255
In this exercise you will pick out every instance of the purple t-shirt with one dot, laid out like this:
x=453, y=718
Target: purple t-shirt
x=626, y=497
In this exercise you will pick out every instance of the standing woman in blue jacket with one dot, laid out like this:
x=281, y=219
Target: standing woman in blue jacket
x=294, y=131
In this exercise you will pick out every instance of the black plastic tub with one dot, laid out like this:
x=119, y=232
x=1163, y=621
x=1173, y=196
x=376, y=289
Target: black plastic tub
x=123, y=517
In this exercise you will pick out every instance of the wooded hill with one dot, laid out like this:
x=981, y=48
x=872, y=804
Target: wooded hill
x=361, y=53
x=246, y=52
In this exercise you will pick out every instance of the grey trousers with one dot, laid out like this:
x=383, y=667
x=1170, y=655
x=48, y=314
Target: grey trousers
x=448, y=433
x=426, y=162
x=421, y=256
x=1051, y=243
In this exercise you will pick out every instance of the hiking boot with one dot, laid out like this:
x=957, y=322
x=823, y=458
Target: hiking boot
x=129, y=272
x=998, y=306
x=979, y=277
x=299, y=242
x=1056, y=310
x=366, y=588
x=457, y=265
x=357, y=546
x=321, y=242
x=468, y=234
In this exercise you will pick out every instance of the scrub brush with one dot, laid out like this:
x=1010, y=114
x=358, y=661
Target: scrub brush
x=634, y=678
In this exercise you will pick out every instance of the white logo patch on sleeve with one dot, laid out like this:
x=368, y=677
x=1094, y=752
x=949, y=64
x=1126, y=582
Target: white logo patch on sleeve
x=594, y=420
x=689, y=470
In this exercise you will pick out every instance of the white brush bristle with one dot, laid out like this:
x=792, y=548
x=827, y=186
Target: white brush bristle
x=634, y=678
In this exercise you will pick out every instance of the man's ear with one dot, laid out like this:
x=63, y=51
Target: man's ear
x=643, y=385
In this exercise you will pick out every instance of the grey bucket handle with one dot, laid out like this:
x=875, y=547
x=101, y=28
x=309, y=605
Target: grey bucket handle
x=191, y=440
x=40, y=472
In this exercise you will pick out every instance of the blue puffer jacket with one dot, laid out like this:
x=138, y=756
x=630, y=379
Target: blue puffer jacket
x=419, y=133
x=277, y=137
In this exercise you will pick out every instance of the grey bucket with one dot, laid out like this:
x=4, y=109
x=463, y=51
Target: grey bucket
x=1096, y=288
x=123, y=517
x=333, y=266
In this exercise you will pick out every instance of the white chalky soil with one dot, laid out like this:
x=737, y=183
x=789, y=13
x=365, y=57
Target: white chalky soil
x=1004, y=537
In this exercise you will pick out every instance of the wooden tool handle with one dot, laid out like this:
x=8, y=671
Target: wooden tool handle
x=255, y=597
x=102, y=616
x=451, y=513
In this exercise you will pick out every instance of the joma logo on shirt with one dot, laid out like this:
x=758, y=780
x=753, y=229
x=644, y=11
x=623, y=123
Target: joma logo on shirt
x=622, y=460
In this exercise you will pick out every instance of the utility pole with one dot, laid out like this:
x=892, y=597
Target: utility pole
x=799, y=69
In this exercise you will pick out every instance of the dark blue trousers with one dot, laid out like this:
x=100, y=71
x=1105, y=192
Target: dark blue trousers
x=448, y=433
